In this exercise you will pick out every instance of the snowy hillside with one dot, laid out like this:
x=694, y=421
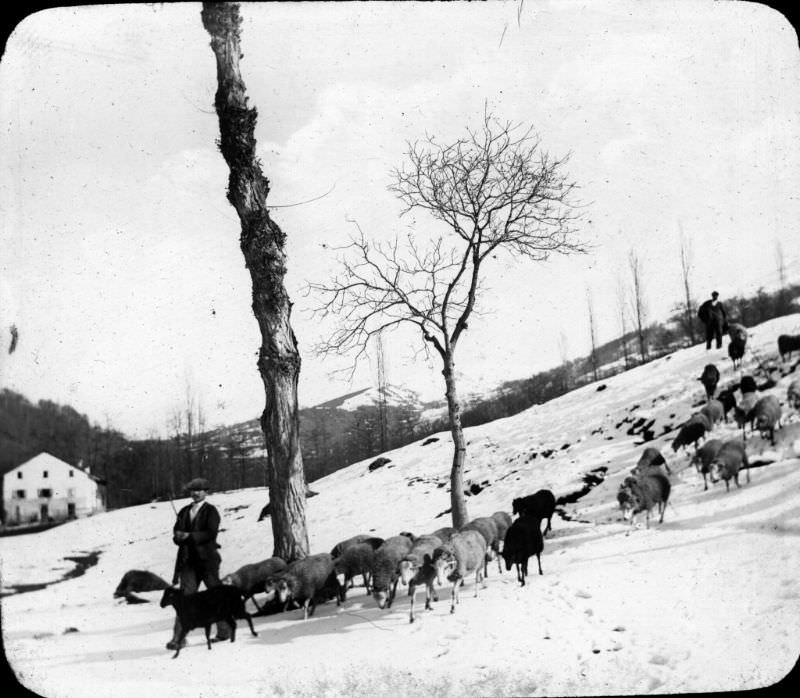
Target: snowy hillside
x=707, y=601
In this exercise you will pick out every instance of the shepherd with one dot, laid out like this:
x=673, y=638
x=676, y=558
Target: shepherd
x=713, y=315
x=198, y=559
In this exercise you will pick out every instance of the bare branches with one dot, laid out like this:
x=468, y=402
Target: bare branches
x=495, y=182
x=493, y=189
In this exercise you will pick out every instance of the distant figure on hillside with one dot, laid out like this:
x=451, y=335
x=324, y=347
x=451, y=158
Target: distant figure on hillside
x=714, y=317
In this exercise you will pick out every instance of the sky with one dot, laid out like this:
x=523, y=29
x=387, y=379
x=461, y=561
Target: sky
x=119, y=256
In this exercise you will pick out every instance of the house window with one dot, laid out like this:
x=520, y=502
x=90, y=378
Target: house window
x=46, y=493
x=19, y=494
x=72, y=473
x=44, y=474
x=19, y=475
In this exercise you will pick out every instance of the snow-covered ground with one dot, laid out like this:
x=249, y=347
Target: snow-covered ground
x=707, y=601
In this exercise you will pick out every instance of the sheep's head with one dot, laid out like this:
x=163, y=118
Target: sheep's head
x=717, y=471
x=284, y=589
x=168, y=597
x=508, y=558
x=407, y=569
x=381, y=596
x=444, y=564
x=628, y=501
x=228, y=579
x=271, y=587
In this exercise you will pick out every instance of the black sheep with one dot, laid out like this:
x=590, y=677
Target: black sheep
x=651, y=459
x=204, y=608
x=738, y=335
x=691, y=432
x=787, y=344
x=138, y=580
x=709, y=378
x=728, y=401
x=539, y=505
x=523, y=540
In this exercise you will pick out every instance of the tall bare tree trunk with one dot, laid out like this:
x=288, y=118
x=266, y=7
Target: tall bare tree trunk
x=458, y=505
x=262, y=243
x=686, y=270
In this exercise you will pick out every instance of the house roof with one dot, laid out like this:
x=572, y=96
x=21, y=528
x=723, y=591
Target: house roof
x=45, y=460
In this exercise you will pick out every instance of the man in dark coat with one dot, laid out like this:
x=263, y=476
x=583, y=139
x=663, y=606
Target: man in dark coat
x=195, y=534
x=714, y=317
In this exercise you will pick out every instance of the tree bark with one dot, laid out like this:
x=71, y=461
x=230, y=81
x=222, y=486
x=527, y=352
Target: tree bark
x=458, y=505
x=262, y=244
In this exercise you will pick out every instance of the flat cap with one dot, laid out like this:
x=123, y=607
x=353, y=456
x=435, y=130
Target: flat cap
x=199, y=483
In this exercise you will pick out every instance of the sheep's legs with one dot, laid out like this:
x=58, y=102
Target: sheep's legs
x=412, y=592
x=182, y=638
x=454, y=596
x=392, y=593
x=207, y=628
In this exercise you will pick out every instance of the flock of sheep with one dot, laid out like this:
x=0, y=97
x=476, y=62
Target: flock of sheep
x=648, y=486
x=450, y=555
x=446, y=555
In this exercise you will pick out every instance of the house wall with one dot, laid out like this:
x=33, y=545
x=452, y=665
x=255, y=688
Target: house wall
x=52, y=489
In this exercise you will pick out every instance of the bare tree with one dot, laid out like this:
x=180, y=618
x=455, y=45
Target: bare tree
x=638, y=303
x=382, y=407
x=493, y=190
x=592, y=333
x=262, y=244
x=563, y=352
x=688, y=308
x=623, y=319
x=780, y=261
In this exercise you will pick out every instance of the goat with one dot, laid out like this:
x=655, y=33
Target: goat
x=203, y=608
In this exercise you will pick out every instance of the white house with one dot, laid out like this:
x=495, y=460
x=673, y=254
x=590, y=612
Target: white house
x=46, y=488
